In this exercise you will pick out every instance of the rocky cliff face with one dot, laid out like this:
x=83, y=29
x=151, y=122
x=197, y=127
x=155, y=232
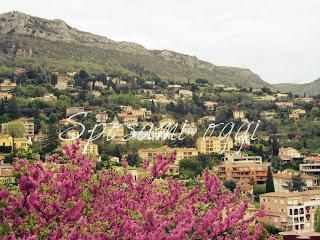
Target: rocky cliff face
x=25, y=35
x=58, y=30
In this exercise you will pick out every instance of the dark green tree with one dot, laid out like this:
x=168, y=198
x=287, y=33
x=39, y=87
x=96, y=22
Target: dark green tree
x=133, y=159
x=269, y=184
x=190, y=168
x=296, y=184
x=275, y=146
x=2, y=108
x=52, y=140
x=230, y=184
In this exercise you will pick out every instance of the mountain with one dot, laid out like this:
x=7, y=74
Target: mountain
x=310, y=89
x=26, y=39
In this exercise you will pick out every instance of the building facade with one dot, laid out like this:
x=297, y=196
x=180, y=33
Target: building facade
x=292, y=211
x=248, y=172
x=209, y=145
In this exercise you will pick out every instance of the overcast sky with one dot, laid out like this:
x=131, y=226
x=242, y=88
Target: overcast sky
x=277, y=39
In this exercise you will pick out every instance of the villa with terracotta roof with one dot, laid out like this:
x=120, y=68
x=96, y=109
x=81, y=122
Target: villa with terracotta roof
x=282, y=179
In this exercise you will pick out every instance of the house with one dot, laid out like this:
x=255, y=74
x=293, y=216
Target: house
x=73, y=110
x=242, y=171
x=166, y=121
x=245, y=187
x=305, y=99
x=160, y=99
x=312, y=159
x=119, y=82
x=282, y=179
x=71, y=74
x=268, y=114
x=230, y=89
x=210, y=105
x=73, y=134
x=101, y=85
x=237, y=114
x=66, y=122
x=209, y=145
x=47, y=98
x=174, y=86
x=114, y=130
x=294, y=116
x=189, y=129
x=63, y=85
x=284, y=104
x=207, y=119
x=185, y=93
x=18, y=143
x=102, y=117
x=63, y=78
x=6, y=174
x=289, y=153
x=129, y=118
x=131, y=115
x=299, y=111
x=7, y=85
x=265, y=98
x=242, y=138
x=5, y=95
x=19, y=70
x=293, y=211
x=282, y=95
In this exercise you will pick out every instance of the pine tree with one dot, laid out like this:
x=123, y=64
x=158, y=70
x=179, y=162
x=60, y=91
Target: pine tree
x=269, y=184
x=296, y=184
x=52, y=140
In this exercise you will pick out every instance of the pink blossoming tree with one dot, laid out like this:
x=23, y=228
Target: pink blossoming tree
x=68, y=200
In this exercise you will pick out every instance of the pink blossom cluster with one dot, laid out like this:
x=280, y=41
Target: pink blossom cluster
x=64, y=198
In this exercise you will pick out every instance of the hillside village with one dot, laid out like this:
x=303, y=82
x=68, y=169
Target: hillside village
x=280, y=168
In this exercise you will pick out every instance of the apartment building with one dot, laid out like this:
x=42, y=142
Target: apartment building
x=181, y=153
x=236, y=158
x=209, y=145
x=242, y=171
x=28, y=125
x=292, y=211
x=311, y=168
x=282, y=179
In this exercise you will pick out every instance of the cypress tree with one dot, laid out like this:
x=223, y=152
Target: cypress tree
x=269, y=184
